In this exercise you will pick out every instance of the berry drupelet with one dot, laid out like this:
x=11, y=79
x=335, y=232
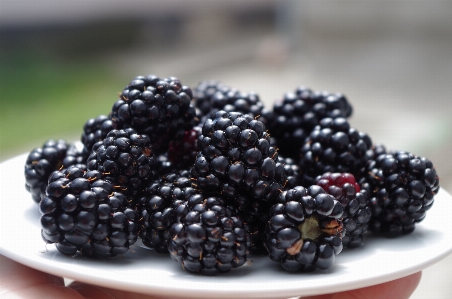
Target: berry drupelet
x=159, y=108
x=126, y=159
x=82, y=212
x=356, y=204
x=208, y=236
x=94, y=130
x=333, y=146
x=305, y=231
x=41, y=162
x=403, y=187
x=155, y=207
x=296, y=115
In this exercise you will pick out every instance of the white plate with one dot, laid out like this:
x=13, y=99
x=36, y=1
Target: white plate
x=143, y=271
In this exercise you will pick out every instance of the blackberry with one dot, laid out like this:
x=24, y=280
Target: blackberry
x=296, y=115
x=41, y=162
x=81, y=212
x=356, y=204
x=156, y=211
x=94, y=130
x=182, y=154
x=403, y=188
x=159, y=108
x=235, y=158
x=126, y=159
x=333, y=146
x=305, y=231
x=212, y=96
x=208, y=236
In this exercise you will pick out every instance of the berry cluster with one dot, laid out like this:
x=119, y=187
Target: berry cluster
x=198, y=175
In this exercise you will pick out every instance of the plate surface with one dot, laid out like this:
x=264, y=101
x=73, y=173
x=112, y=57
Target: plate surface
x=140, y=270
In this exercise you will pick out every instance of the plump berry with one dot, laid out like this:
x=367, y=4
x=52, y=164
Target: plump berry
x=158, y=107
x=333, y=146
x=208, y=236
x=356, y=204
x=403, y=187
x=305, y=229
x=296, y=115
x=83, y=213
x=41, y=162
x=155, y=206
x=235, y=161
x=94, y=130
x=126, y=159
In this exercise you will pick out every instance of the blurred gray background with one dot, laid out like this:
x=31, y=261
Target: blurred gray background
x=62, y=62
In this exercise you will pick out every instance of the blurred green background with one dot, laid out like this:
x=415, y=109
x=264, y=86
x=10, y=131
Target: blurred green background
x=63, y=62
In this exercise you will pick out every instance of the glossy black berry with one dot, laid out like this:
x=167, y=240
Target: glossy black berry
x=296, y=115
x=402, y=187
x=94, y=130
x=158, y=107
x=83, y=213
x=41, y=162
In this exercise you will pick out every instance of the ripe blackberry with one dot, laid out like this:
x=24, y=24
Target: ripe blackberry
x=305, y=231
x=212, y=96
x=235, y=158
x=155, y=208
x=299, y=112
x=208, y=236
x=82, y=212
x=126, y=159
x=356, y=204
x=94, y=130
x=41, y=162
x=159, y=108
x=333, y=146
x=182, y=154
x=403, y=188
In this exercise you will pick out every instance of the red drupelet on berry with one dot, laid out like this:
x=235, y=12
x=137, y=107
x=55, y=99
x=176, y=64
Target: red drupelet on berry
x=333, y=146
x=356, y=204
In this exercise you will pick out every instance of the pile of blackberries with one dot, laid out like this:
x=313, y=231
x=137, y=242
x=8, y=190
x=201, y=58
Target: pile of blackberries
x=210, y=177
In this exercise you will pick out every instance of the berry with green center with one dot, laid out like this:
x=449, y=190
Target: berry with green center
x=305, y=229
